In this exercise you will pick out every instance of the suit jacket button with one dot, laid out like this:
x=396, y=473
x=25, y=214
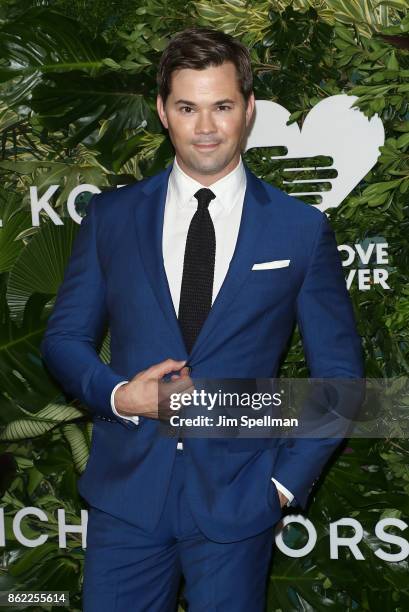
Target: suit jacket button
x=289, y=444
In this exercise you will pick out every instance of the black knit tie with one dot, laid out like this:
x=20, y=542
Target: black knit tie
x=198, y=270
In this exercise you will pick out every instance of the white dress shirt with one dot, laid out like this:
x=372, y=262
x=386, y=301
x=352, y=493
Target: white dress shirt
x=225, y=210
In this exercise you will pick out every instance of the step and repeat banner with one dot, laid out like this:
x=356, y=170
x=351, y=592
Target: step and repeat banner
x=331, y=127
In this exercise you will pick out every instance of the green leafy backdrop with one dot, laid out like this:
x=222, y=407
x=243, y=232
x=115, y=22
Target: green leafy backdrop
x=77, y=105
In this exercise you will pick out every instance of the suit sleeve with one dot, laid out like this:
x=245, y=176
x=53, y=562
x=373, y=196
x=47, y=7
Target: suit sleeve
x=77, y=322
x=333, y=350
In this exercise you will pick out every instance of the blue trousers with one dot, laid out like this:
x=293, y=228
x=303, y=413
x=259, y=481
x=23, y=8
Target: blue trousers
x=127, y=569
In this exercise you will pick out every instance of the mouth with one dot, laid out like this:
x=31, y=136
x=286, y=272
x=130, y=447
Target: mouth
x=206, y=147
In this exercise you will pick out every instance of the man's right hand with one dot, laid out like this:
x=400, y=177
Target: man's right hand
x=146, y=392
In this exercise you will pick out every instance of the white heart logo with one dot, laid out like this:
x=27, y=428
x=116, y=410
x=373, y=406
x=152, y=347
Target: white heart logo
x=331, y=128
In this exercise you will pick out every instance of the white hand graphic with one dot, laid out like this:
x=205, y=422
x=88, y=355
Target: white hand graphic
x=332, y=128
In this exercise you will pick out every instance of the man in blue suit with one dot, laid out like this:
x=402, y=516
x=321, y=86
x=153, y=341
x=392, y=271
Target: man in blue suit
x=200, y=271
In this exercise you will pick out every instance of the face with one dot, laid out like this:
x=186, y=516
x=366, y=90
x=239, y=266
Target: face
x=207, y=119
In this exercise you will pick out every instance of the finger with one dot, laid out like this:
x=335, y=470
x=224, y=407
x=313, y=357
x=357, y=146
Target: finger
x=185, y=371
x=158, y=370
x=179, y=385
x=165, y=399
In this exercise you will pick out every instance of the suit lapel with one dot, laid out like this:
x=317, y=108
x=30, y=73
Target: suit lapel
x=149, y=212
x=149, y=225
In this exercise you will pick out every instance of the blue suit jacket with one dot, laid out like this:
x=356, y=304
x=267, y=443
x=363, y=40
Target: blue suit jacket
x=116, y=276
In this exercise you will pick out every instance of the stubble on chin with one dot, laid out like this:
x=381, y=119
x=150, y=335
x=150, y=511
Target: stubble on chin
x=207, y=166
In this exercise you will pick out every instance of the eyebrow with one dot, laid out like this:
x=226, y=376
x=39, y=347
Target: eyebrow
x=218, y=103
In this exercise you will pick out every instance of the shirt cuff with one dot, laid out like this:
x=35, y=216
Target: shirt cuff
x=284, y=491
x=134, y=418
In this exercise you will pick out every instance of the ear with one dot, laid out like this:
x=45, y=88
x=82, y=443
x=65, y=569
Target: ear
x=250, y=108
x=160, y=107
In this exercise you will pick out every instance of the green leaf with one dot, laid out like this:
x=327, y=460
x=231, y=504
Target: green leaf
x=31, y=558
x=40, y=42
x=403, y=141
x=78, y=445
x=62, y=74
x=40, y=266
x=14, y=222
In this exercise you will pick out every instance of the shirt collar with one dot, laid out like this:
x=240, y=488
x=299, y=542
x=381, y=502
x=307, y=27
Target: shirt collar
x=225, y=189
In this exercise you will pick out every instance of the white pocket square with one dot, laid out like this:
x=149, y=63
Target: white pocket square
x=267, y=265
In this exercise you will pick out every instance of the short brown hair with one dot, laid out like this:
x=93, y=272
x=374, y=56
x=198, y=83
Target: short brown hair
x=198, y=48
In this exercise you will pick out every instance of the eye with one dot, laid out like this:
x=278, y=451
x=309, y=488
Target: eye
x=224, y=107
x=186, y=109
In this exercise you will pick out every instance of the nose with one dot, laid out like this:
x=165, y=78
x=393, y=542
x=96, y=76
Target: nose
x=205, y=123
